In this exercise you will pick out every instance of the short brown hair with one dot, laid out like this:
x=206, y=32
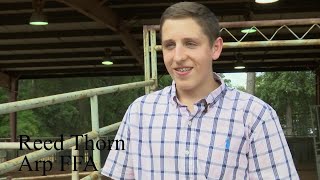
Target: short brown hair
x=201, y=14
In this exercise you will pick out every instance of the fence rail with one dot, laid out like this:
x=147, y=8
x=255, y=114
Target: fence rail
x=33, y=156
x=150, y=84
x=60, y=98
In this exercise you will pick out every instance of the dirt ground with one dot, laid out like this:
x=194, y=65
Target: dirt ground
x=307, y=171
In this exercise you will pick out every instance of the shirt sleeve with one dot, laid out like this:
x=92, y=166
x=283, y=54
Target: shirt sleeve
x=269, y=154
x=118, y=165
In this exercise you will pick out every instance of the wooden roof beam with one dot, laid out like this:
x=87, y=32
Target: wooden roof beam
x=105, y=15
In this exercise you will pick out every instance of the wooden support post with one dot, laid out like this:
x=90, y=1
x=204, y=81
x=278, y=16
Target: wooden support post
x=13, y=116
x=13, y=93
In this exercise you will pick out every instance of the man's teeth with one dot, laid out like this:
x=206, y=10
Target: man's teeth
x=184, y=69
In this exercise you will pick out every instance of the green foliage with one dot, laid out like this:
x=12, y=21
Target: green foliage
x=3, y=95
x=4, y=124
x=226, y=81
x=27, y=124
x=4, y=119
x=71, y=117
x=241, y=88
x=75, y=117
x=27, y=121
x=164, y=81
x=58, y=119
x=113, y=106
x=296, y=88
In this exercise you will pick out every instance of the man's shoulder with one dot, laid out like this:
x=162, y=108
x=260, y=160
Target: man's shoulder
x=251, y=105
x=246, y=98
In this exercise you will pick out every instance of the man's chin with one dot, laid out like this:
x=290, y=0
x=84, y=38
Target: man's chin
x=184, y=86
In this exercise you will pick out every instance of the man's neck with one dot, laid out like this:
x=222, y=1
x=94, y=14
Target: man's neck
x=190, y=97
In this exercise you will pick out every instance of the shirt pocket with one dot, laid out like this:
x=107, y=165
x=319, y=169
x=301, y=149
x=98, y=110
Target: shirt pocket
x=218, y=157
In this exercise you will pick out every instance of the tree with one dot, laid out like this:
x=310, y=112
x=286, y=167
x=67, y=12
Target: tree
x=290, y=94
x=70, y=117
x=251, y=83
x=226, y=81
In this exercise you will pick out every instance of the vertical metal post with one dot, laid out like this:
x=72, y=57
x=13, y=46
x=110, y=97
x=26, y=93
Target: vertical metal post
x=317, y=119
x=95, y=127
x=75, y=163
x=154, y=60
x=146, y=50
x=315, y=128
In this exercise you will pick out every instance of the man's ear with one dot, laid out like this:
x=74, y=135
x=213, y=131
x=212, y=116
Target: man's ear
x=217, y=48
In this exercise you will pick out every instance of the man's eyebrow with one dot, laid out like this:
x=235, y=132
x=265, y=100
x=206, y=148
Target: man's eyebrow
x=184, y=39
x=167, y=41
x=190, y=39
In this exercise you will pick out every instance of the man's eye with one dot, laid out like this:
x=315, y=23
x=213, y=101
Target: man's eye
x=191, y=44
x=169, y=46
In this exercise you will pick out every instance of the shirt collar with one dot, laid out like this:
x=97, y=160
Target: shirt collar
x=211, y=98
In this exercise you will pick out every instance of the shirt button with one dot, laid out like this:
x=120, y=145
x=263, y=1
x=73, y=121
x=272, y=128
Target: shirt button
x=187, y=152
x=189, y=123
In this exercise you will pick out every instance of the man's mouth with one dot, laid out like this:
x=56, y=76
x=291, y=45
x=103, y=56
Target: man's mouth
x=183, y=69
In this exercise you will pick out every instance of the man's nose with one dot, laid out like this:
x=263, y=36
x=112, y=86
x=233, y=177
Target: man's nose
x=179, y=53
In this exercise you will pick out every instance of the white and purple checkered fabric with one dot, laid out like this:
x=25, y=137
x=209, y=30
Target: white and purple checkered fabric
x=230, y=135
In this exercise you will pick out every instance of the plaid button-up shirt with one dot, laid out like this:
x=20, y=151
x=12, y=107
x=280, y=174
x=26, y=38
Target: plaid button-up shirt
x=230, y=135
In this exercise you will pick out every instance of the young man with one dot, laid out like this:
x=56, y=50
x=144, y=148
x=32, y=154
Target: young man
x=198, y=128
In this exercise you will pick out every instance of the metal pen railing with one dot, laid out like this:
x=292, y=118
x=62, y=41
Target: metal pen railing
x=55, y=99
x=150, y=84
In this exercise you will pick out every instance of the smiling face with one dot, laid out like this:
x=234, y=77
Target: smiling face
x=188, y=54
